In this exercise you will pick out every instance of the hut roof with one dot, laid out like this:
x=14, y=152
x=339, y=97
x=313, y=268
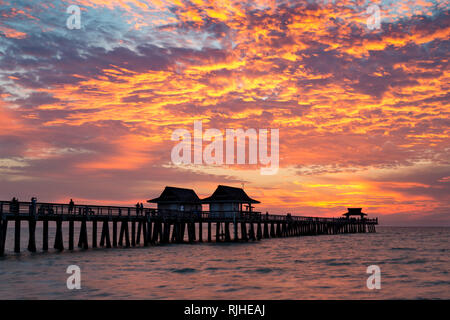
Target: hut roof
x=229, y=194
x=177, y=195
x=354, y=212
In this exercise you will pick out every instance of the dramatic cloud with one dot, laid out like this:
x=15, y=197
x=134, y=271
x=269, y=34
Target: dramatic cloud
x=363, y=114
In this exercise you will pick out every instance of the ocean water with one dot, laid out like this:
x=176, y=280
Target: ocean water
x=414, y=264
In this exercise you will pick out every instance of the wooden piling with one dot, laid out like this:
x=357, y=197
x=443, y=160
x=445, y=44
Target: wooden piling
x=252, y=232
x=114, y=233
x=217, y=231
x=144, y=233
x=200, y=232
x=266, y=230
x=17, y=235
x=71, y=234
x=3, y=229
x=227, y=232
x=244, y=231
x=155, y=232
x=272, y=230
x=83, y=240
x=59, y=244
x=105, y=239
x=209, y=231
x=45, y=235
x=182, y=230
x=94, y=234
x=31, y=232
x=138, y=235
x=258, y=231
x=133, y=233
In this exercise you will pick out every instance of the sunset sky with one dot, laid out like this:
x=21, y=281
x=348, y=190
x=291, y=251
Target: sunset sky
x=363, y=114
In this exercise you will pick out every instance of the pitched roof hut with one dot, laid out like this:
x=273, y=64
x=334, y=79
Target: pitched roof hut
x=354, y=212
x=228, y=201
x=174, y=199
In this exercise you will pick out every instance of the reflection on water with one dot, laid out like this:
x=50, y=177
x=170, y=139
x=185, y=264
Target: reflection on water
x=414, y=264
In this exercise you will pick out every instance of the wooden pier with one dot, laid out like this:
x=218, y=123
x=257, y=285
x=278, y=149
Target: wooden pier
x=150, y=227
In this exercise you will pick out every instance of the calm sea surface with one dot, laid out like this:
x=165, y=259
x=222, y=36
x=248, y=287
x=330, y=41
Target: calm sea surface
x=414, y=264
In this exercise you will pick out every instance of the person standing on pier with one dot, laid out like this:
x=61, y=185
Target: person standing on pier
x=33, y=206
x=138, y=208
x=71, y=206
x=14, y=206
x=142, y=209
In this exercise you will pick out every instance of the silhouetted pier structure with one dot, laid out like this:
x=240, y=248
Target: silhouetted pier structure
x=133, y=227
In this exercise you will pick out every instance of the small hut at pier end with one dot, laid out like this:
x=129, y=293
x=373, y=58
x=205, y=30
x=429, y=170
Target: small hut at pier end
x=174, y=199
x=229, y=202
x=354, y=212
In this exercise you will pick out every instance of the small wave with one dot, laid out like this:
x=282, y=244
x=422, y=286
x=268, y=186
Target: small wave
x=184, y=270
x=338, y=264
x=263, y=270
x=416, y=261
x=400, y=248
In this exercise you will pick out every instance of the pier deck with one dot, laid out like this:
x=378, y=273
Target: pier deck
x=154, y=227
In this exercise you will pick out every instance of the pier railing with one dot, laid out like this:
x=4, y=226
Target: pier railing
x=52, y=209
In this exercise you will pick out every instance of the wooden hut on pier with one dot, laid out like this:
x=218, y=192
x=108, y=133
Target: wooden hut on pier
x=228, y=202
x=354, y=212
x=174, y=200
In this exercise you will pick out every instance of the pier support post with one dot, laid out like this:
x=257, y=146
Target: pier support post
x=144, y=233
x=45, y=235
x=209, y=232
x=175, y=233
x=183, y=229
x=32, y=237
x=105, y=235
x=227, y=232
x=83, y=239
x=244, y=231
x=252, y=232
x=266, y=230
x=133, y=233
x=3, y=229
x=124, y=232
x=200, y=231
x=235, y=227
x=59, y=244
x=94, y=233
x=71, y=234
x=114, y=233
x=217, y=231
x=272, y=230
x=258, y=231
x=138, y=235
x=149, y=231
x=17, y=235
x=155, y=232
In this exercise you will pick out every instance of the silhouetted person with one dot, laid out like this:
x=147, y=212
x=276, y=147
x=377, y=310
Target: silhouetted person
x=138, y=208
x=71, y=206
x=14, y=206
x=33, y=205
x=142, y=209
